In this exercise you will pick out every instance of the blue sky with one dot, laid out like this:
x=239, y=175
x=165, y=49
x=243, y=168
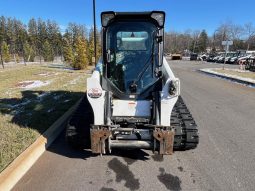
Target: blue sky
x=181, y=14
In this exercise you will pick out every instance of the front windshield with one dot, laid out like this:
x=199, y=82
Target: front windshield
x=130, y=46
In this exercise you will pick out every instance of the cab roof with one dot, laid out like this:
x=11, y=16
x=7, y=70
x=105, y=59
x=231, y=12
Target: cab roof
x=133, y=16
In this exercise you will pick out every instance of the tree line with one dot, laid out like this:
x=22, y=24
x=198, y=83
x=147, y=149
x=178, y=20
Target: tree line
x=45, y=40
x=198, y=41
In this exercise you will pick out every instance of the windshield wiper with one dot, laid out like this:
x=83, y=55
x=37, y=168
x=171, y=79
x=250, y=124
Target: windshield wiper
x=133, y=86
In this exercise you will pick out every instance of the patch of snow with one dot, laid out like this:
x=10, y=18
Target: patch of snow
x=76, y=80
x=73, y=82
x=60, y=66
x=33, y=84
x=48, y=74
x=234, y=70
x=6, y=105
x=18, y=108
x=15, y=112
x=20, y=104
x=43, y=74
x=43, y=95
x=50, y=110
x=8, y=93
x=57, y=97
x=212, y=71
x=67, y=100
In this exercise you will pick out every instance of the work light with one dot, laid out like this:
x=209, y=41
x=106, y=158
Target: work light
x=159, y=17
x=106, y=17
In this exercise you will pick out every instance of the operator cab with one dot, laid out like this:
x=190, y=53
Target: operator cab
x=132, y=53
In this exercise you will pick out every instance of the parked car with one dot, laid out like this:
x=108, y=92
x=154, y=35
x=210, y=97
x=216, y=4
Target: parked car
x=244, y=57
x=202, y=57
x=176, y=57
x=250, y=64
x=233, y=60
x=193, y=56
x=210, y=58
x=216, y=58
x=231, y=57
x=220, y=59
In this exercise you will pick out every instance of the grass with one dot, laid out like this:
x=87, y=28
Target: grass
x=25, y=113
x=239, y=73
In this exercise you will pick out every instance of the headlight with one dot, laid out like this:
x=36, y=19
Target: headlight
x=174, y=87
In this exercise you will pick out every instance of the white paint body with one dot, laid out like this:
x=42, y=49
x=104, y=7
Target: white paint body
x=138, y=108
x=130, y=108
x=97, y=104
x=168, y=101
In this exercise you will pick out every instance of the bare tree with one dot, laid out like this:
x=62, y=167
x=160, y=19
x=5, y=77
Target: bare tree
x=176, y=42
x=249, y=32
x=236, y=32
x=222, y=33
x=195, y=36
x=188, y=38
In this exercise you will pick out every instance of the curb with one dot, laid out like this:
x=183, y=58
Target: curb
x=249, y=83
x=15, y=171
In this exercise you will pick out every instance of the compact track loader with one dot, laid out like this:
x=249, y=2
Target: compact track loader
x=133, y=98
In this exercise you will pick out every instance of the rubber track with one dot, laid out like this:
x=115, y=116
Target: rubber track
x=186, y=134
x=78, y=127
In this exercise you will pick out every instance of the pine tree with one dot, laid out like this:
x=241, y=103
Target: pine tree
x=75, y=31
x=91, y=46
x=68, y=54
x=68, y=51
x=22, y=37
x=2, y=35
x=29, y=53
x=42, y=38
x=2, y=28
x=81, y=60
x=11, y=36
x=202, y=41
x=6, y=52
x=47, y=52
x=54, y=36
x=33, y=35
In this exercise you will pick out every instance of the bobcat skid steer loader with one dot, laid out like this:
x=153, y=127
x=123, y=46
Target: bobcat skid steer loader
x=133, y=98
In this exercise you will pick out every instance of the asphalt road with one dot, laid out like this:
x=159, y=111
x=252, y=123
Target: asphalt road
x=224, y=159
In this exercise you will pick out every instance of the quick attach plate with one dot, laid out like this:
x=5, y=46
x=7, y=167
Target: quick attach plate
x=98, y=135
x=165, y=137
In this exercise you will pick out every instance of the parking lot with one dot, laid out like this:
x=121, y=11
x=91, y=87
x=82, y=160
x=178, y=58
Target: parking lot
x=224, y=159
